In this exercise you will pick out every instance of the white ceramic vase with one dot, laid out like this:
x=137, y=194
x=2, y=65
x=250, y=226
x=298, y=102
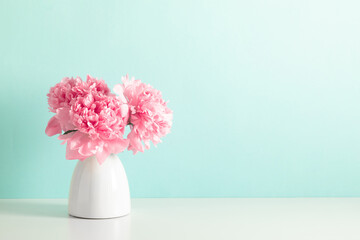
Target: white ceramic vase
x=99, y=191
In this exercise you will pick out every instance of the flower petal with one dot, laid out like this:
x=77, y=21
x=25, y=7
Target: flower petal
x=53, y=127
x=101, y=156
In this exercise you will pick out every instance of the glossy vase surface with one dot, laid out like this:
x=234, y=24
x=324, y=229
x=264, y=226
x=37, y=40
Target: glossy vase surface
x=99, y=191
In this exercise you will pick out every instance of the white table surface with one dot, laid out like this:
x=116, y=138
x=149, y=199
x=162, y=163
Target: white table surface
x=277, y=218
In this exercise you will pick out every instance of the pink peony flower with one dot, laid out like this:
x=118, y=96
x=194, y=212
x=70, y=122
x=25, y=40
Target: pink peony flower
x=69, y=89
x=92, y=118
x=99, y=116
x=63, y=95
x=150, y=118
x=100, y=122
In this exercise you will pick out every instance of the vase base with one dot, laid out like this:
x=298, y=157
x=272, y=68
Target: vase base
x=98, y=218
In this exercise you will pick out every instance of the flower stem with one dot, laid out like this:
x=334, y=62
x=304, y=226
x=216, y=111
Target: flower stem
x=69, y=131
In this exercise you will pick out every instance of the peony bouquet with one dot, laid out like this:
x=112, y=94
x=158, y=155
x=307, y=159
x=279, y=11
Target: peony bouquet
x=92, y=121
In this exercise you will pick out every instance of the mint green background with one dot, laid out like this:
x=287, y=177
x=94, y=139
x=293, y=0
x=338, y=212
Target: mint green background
x=265, y=93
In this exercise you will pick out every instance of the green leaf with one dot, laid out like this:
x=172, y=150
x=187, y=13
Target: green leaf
x=69, y=132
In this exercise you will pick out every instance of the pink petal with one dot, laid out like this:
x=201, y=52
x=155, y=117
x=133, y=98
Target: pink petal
x=66, y=137
x=117, y=146
x=72, y=154
x=135, y=142
x=53, y=127
x=119, y=90
x=88, y=147
x=63, y=115
x=101, y=156
x=124, y=110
